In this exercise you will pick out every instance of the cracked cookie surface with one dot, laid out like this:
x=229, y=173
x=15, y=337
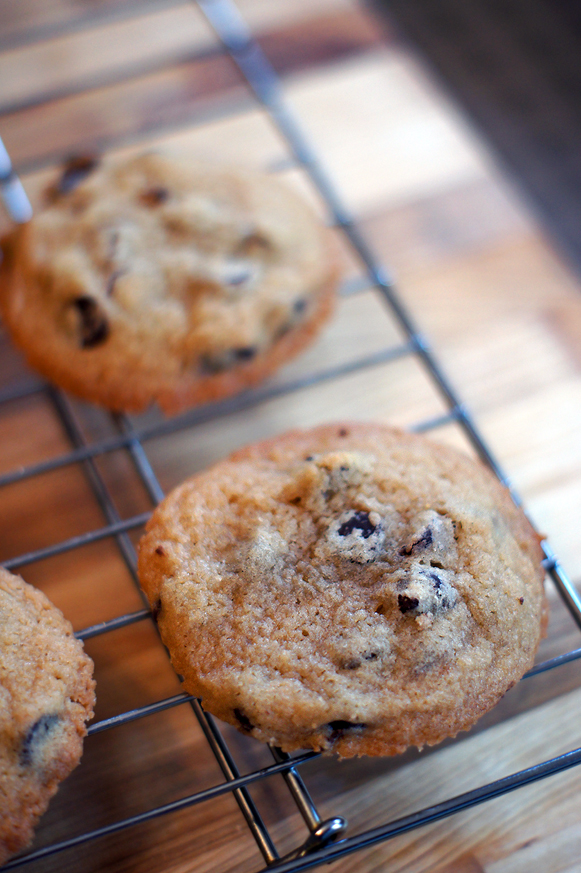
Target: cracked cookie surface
x=166, y=280
x=46, y=697
x=350, y=589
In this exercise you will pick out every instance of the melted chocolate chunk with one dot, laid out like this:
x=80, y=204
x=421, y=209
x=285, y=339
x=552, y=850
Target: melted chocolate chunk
x=243, y=720
x=35, y=737
x=407, y=604
x=154, y=196
x=75, y=170
x=299, y=306
x=94, y=327
x=358, y=521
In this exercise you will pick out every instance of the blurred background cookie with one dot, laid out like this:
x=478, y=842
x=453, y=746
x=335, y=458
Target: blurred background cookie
x=162, y=279
x=47, y=694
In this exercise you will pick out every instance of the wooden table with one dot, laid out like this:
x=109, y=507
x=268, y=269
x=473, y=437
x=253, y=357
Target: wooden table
x=502, y=313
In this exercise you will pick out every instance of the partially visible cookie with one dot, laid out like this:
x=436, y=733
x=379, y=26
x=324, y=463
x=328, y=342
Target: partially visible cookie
x=352, y=589
x=46, y=696
x=167, y=280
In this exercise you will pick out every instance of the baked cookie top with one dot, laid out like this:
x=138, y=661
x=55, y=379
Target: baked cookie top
x=350, y=588
x=162, y=279
x=46, y=696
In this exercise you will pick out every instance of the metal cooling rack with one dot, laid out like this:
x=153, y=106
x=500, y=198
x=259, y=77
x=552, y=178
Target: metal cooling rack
x=326, y=840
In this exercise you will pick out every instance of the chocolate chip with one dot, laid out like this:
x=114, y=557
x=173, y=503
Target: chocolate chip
x=94, y=327
x=343, y=432
x=340, y=727
x=239, y=277
x=424, y=542
x=431, y=538
x=212, y=365
x=294, y=318
x=112, y=280
x=35, y=737
x=253, y=244
x=355, y=663
x=283, y=329
x=351, y=665
x=426, y=592
x=406, y=604
x=75, y=170
x=355, y=535
x=358, y=521
x=246, y=353
x=154, y=196
x=113, y=238
x=443, y=600
x=521, y=600
x=442, y=591
x=221, y=361
x=310, y=458
x=159, y=550
x=243, y=720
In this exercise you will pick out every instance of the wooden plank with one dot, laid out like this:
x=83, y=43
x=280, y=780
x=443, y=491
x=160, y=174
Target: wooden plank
x=373, y=103
x=25, y=21
x=175, y=94
x=82, y=60
x=32, y=21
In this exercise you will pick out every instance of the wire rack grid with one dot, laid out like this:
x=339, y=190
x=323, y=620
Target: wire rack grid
x=327, y=839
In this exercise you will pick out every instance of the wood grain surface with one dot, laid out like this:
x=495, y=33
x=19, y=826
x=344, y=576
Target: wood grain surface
x=499, y=308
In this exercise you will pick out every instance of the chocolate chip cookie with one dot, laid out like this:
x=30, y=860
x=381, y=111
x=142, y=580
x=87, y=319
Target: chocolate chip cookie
x=46, y=696
x=161, y=279
x=351, y=589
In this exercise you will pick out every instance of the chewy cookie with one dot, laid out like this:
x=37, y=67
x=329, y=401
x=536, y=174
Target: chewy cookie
x=46, y=696
x=351, y=588
x=166, y=280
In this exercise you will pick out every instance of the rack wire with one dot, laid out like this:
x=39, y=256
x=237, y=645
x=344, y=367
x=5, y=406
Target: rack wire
x=328, y=839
